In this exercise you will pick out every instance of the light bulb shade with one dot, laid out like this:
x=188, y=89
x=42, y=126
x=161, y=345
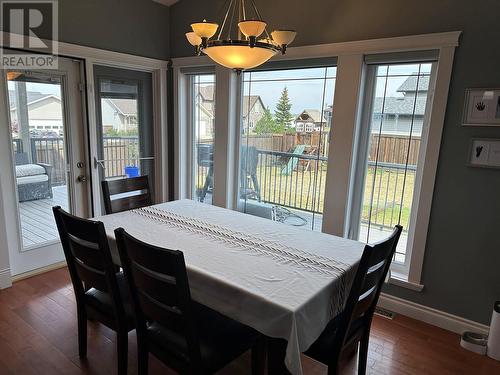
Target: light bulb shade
x=252, y=28
x=239, y=57
x=193, y=38
x=283, y=37
x=204, y=29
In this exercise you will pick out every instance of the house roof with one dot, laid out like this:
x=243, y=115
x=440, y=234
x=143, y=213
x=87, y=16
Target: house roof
x=314, y=114
x=207, y=94
x=410, y=84
x=125, y=106
x=32, y=97
x=249, y=102
x=402, y=105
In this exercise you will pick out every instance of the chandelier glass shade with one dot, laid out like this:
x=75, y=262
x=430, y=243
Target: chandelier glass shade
x=245, y=50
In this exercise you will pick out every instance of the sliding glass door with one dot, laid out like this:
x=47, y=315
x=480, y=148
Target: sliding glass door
x=125, y=133
x=285, y=133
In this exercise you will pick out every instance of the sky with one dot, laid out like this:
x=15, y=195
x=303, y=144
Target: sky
x=306, y=87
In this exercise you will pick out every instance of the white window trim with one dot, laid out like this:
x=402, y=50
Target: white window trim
x=350, y=69
x=399, y=270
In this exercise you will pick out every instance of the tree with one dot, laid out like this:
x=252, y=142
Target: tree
x=282, y=116
x=266, y=124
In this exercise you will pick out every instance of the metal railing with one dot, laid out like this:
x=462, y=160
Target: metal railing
x=290, y=180
x=119, y=151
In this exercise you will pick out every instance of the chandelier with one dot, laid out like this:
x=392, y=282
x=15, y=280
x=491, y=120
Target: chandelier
x=245, y=51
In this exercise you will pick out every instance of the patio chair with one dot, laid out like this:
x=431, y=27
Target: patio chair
x=206, y=159
x=33, y=180
x=249, y=158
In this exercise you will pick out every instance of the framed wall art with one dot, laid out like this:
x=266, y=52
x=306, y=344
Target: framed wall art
x=482, y=107
x=485, y=152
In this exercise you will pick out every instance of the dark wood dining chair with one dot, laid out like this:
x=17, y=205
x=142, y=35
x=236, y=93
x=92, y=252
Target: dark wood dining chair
x=100, y=289
x=139, y=194
x=352, y=325
x=188, y=337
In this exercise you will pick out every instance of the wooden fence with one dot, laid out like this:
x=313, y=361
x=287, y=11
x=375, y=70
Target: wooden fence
x=391, y=148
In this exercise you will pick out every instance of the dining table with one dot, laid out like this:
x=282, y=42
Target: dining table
x=284, y=281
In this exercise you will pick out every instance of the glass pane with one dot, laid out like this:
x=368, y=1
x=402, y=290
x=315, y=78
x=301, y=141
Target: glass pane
x=397, y=117
x=120, y=137
x=203, y=94
x=39, y=153
x=286, y=120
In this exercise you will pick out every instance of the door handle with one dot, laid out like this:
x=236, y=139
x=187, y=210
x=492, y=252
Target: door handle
x=99, y=163
x=82, y=178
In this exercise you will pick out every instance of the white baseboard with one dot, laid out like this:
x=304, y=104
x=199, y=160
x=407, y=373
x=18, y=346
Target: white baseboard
x=429, y=315
x=5, y=278
x=39, y=271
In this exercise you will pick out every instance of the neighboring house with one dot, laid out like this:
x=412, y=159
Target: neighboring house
x=119, y=115
x=310, y=120
x=44, y=111
x=396, y=113
x=252, y=111
x=205, y=112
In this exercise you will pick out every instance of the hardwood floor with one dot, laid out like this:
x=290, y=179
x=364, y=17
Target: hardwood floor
x=38, y=335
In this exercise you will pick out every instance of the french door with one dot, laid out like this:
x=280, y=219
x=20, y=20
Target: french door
x=125, y=131
x=49, y=165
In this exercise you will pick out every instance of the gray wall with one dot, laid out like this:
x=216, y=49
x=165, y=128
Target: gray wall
x=462, y=263
x=138, y=27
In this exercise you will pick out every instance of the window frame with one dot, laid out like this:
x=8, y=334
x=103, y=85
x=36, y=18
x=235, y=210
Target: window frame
x=362, y=151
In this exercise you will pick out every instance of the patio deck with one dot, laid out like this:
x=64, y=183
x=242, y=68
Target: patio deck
x=37, y=221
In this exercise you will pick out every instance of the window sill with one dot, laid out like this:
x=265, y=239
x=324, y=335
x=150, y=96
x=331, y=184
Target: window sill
x=401, y=280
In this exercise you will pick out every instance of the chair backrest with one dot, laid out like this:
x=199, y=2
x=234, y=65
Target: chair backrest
x=159, y=288
x=136, y=190
x=88, y=256
x=249, y=160
x=205, y=154
x=21, y=158
x=365, y=291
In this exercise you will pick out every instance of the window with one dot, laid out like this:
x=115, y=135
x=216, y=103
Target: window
x=394, y=118
x=202, y=94
x=283, y=170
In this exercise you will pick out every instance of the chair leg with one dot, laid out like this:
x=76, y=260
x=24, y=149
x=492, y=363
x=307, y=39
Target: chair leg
x=82, y=333
x=142, y=357
x=276, y=349
x=259, y=357
x=363, y=353
x=122, y=348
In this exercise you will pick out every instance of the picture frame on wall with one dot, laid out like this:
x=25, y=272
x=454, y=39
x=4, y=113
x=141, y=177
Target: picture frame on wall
x=482, y=107
x=484, y=153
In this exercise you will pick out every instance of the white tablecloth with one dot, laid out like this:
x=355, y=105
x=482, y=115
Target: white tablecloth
x=284, y=281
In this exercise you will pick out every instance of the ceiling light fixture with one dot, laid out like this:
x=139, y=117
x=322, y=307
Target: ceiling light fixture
x=245, y=51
